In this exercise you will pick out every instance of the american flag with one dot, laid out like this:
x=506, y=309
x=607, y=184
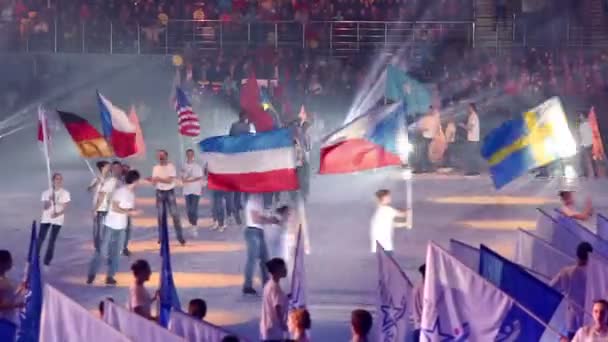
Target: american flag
x=187, y=120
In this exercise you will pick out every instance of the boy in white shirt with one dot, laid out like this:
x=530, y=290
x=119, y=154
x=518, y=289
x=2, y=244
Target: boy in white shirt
x=472, y=127
x=273, y=320
x=116, y=221
x=192, y=179
x=102, y=187
x=55, y=201
x=598, y=331
x=383, y=220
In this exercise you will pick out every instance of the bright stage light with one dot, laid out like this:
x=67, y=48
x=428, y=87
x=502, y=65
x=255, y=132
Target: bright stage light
x=569, y=173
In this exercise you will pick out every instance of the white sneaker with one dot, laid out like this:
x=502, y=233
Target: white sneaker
x=215, y=225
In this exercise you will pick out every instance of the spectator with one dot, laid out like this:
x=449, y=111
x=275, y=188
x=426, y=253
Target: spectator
x=197, y=308
x=361, y=323
x=298, y=323
x=598, y=331
x=140, y=300
x=572, y=280
x=8, y=294
x=273, y=322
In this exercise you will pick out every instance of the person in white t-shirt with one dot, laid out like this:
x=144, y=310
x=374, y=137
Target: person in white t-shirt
x=192, y=179
x=9, y=294
x=383, y=220
x=164, y=179
x=472, y=151
x=54, y=202
x=598, y=331
x=116, y=221
x=568, y=207
x=255, y=240
x=140, y=300
x=273, y=319
x=102, y=187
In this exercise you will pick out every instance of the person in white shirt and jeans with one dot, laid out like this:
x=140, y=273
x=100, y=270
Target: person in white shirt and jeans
x=472, y=147
x=55, y=202
x=192, y=179
x=116, y=221
x=382, y=223
x=163, y=177
x=102, y=186
x=255, y=240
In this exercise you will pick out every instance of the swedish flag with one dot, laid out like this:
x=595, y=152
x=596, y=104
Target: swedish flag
x=536, y=138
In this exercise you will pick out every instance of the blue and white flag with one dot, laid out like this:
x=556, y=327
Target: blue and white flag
x=602, y=226
x=466, y=254
x=459, y=305
x=541, y=299
x=194, y=330
x=553, y=231
x=600, y=246
x=29, y=317
x=394, y=295
x=168, y=293
x=136, y=327
x=64, y=320
x=540, y=256
x=298, y=275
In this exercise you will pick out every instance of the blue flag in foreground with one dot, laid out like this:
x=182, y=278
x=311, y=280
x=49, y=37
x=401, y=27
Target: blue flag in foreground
x=602, y=226
x=394, y=295
x=459, y=305
x=557, y=233
x=599, y=245
x=298, y=276
x=29, y=328
x=536, y=138
x=542, y=300
x=168, y=293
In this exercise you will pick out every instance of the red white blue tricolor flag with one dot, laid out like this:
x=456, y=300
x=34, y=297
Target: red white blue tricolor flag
x=374, y=140
x=187, y=120
x=117, y=128
x=263, y=162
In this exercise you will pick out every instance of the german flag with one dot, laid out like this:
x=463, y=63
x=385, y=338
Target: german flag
x=90, y=143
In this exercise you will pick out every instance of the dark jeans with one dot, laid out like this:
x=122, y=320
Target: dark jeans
x=192, y=208
x=219, y=206
x=587, y=164
x=50, y=249
x=448, y=159
x=113, y=240
x=127, y=234
x=256, y=251
x=165, y=201
x=234, y=205
x=472, y=157
x=98, y=228
x=422, y=155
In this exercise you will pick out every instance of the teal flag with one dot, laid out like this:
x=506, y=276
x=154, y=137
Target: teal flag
x=401, y=86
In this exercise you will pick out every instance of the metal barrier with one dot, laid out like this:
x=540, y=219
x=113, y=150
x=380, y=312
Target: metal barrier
x=176, y=35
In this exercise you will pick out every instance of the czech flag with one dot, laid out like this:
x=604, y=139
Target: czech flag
x=90, y=143
x=117, y=128
x=374, y=140
x=263, y=162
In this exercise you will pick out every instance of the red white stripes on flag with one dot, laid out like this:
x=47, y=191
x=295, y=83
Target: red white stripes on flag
x=187, y=120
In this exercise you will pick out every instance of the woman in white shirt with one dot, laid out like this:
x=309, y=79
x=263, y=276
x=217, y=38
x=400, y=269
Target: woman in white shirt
x=598, y=331
x=273, y=321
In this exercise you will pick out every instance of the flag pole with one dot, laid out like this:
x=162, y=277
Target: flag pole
x=86, y=161
x=45, y=145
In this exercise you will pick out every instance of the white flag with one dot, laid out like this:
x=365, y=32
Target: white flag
x=394, y=299
x=466, y=254
x=135, y=326
x=459, y=305
x=298, y=276
x=194, y=330
x=549, y=229
x=64, y=320
x=540, y=256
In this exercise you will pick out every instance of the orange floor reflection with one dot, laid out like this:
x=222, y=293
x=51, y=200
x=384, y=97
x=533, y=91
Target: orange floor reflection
x=506, y=249
x=151, y=201
x=183, y=280
x=494, y=200
x=192, y=246
x=151, y=222
x=499, y=224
